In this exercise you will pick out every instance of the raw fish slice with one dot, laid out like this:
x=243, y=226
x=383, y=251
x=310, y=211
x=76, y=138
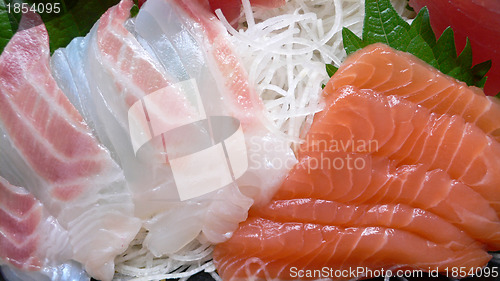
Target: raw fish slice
x=390, y=72
x=57, y=158
x=201, y=212
x=64, y=272
x=473, y=157
x=380, y=182
x=263, y=249
x=231, y=79
x=397, y=216
x=155, y=191
x=29, y=237
x=116, y=73
x=201, y=42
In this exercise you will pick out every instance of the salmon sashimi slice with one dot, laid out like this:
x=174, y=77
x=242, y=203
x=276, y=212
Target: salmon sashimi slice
x=56, y=156
x=29, y=237
x=409, y=134
x=397, y=216
x=390, y=72
x=262, y=249
x=381, y=182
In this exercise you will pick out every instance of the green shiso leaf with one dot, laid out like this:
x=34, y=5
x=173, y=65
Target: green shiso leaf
x=422, y=26
x=74, y=18
x=331, y=69
x=352, y=43
x=8, y=25
x=134, y=11
x=382, y=24
x=445, y=51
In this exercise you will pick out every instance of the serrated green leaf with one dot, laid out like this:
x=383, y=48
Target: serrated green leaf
x=481, y=82
x=481, y=69
x=75, y=18
x=134, y=11
x=419, y=47
x=331, y=69
x=465, y=58
x=383, y=24
x=76, y=22
x=7, y=27
x=352, y=43
x=421, y=25
x=445, y=51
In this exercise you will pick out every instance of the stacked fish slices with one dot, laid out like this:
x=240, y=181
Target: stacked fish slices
x=400, y=171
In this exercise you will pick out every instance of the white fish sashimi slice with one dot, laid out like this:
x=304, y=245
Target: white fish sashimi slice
x=60, y=162
x=121, y=73
x=195, y=32
x=30, y=238
x=70, y=271
x=117, y=74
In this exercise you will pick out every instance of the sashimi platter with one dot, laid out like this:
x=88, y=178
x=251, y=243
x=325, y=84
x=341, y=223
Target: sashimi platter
x=249, y=140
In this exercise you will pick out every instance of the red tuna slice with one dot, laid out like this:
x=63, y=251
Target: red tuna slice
x=29, y=237
x=479, y=20
x=79, y=183
x=409, y=134
x=389, y=72
x=262, y=249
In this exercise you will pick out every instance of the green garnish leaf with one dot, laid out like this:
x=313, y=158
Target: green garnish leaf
x=134, y=11
x=465, y=57
x=352, y=42
x=445, y=51
x=386, y=26
x=64, y=19
x=481, y=69
x=331, y=69
x=8, y=25
x=382, y=24
x=422, y=26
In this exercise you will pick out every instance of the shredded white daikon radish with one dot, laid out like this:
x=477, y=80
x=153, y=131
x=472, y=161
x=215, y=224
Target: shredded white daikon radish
x=284, y=51
x=139, y=264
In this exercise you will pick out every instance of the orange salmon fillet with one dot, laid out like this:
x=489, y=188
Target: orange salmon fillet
x=279, y=248
x=409, y=134
x=390, y=72
x=393, y=174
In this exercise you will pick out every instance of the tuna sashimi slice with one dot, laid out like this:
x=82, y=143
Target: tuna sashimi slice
x=56, y=156
x=262, y=249
x=29, y=237
x=409, y=134
x=390, y=72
